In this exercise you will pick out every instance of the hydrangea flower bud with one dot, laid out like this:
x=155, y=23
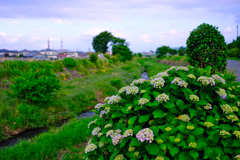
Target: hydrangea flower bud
x=98, y=106
x=107, y=109
x=119, y=157
x=180, y=82
x=193, y=144
x=226, y=109
x=182, y=68
x=224, y=133
x=113, y=99
x=237, y=157
x=92, y=122
x=177, y=140
x=159, y=158
x=96, y=131
x=237, y=134
x=194, y=98
x=117, y=139
x=136, y=154
x=162, y=97
x=101, y=144
x=162, y=74
x=235, y=109
x=143, y=91
x=123, y=89
x=142, y=101
x=191, y=76
x=233, y=118
x=128, y=132
x=130, y=149
x=100, y=134
x=90, y=147
x=129, y=108
x=108, y=126
x=232, y=96
x=229, y=88
x=168, y=129
x=190, y=127
x=145, y=135
x=208, y=124
x=185, y=118
x=159, y=141
x=208, y=106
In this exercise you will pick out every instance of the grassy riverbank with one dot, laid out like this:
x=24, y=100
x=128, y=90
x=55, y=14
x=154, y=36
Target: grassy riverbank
x=76, y=95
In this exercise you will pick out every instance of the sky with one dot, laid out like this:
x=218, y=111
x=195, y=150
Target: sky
x=145, y=24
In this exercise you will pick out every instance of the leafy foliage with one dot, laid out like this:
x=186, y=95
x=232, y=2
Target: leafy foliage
x=234, y=44
x=140, y=55
x=93, y=57
x=69, y=62
x=181, y=51
x=234, y=52
x=101, y=41
x=184, y=113
x=36, y=86
x=162, y=51
x=206, y=46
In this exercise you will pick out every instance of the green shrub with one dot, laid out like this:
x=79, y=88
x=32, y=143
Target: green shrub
x=57, y=66
x=117, y=82
x=69, y=63
x=115, y=59
x=184, y=113
x=206, y=46
x=234, y=53
x=93, y=57
x=140, y=55
x=135, y=76
x=32, y=117
x=35, y=86
x=107, y=56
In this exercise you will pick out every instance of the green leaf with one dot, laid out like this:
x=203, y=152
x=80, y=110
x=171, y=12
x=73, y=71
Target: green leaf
x=117, y=114
x=174, y=151
x=155, y=103
x=198, y=131
x=192, y=112
x=201, y=143
x=132, y=120
x=210, y=119
x=163, y=146
x=202, y=102
x=147, y=96
x=225, y=127
x=158, y=113
x=194, y=154
x=144, y=118
x=119, y=125
x=136, y=129
x=168, y=104
x=115, y=152
x=191, y=139
x=209, y=98
x=152, y=148
x=135, y=142
x=155, y=130
x=184, y=156
x=123, y=142
x=156, y=94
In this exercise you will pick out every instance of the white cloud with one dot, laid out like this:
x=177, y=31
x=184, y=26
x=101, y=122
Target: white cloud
x=12, y=40
x=14, y=22
x=145, y=38
x=60, y=21
x=2, y=34
x=229, y=29
x=33, y=39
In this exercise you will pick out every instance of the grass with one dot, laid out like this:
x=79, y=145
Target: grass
x=76, y=96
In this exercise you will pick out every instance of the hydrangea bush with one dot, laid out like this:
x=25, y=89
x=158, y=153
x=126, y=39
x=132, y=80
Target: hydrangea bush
x=184, y=113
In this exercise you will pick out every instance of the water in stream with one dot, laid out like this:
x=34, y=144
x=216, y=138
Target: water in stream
x=27, y=134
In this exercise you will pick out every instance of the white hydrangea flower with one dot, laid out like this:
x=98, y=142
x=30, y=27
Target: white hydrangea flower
x=114, y=99
x=90, y=147
x=233, y=118
x=96, y=131
x=129, y=108
x=117, y=139
x=101, y=144
x=98, y=106
x=237, y=134
x=100, y=134
x=222, y=93
x=238, y=103
x=227, y=109
x=208, y=124
x=132, y=90
x=102, y=113
x=218, y=78
x=110, y=133
x=235, y=109
x=107, y=109
x=142, y=101
x=162, y=74
x=185, y=118
x=194, y=98
x=162, y=97
x=108, y=126
x=92, y=122
x=208, y=106
x=182, y=68
x=157, y=82
x=159, y=158
x=145, y=135
x=138, y=81
x=180, y=82
x=118, y=131
x=232, y=96
x=123, y=89
x=191, y=76
x=237, y=157
x=206, y=80
x=128, y=132
x=224, y=133
x=143, y=91
x=119, y=157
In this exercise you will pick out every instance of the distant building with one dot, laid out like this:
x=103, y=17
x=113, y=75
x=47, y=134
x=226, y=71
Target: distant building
x=109, y=52
x=62, y=51
x=49, y=53
x=8, y=53
x=24, y=51
x=82, y=54
x=72, y=54
x=63, y=56
x=36, y=55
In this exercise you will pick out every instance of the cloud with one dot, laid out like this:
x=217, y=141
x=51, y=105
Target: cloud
x=94, y=31
x=34, y=39
x=12, y=40
x=14, y=22
x=60, y=21
x=2, y=34
x=145, y=38
x=229, y=29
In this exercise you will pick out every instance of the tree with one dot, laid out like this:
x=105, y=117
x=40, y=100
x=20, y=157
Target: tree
x=234, y=44
x=123, y=51
x=162, y=51
x=21, y=55
x=173, y=51
x=101, y=41
x=182, y=51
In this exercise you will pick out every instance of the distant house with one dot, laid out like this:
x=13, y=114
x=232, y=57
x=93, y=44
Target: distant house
x=62, y=51
x=8, y=53
x=109, y=52
x=24, y=51
x=63, y=56
x=36, y=55
x=49, y=53
x=3, y=52
x=73, y=54
x=82, y=54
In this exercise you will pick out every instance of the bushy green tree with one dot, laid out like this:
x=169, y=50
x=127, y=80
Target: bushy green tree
x=234, y=44
x=234, y=52
x=181, y=51
x=173, y=51
x=140, y=55
x=207, y=46
x=162, y=51
x=93, y=57
x=69, y=63
x=100, y=42
x=123, y=50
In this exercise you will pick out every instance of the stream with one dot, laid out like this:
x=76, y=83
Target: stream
x=30, y=133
